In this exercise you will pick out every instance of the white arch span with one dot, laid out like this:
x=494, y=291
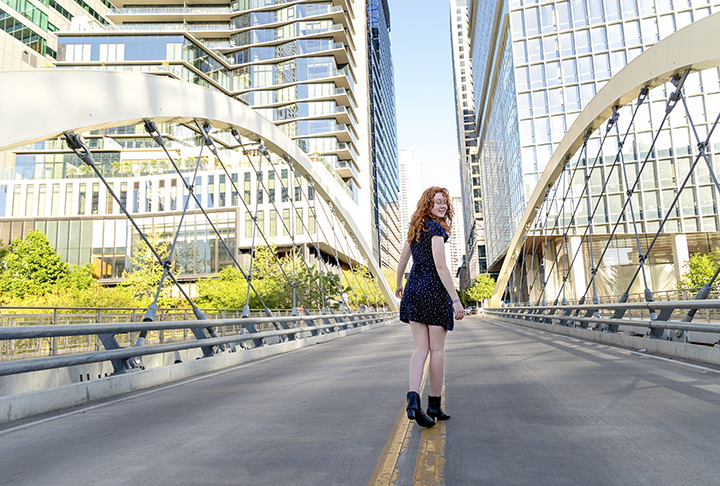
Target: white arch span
x=696, y=47
x=42, y=104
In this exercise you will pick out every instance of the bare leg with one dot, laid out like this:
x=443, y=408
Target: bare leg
x=421, y=338
x=437, y=359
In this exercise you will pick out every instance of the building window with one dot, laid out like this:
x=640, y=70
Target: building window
x=299, y=227
x=30, y=192
x=286, y=221
x=173, y=195
x=248, y=225
x=271, y=186
x=284, y=184
x=273, y=222
x=41, y=200
x=81, y=199
x=69, y=189
x=246, y=187
x=298, y=186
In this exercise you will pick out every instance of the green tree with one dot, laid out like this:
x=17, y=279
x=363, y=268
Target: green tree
x=699, y=268
x=79, y=277
x=271, y=281
x=31, y=267
x=227, y=291
x=144, y=277
x=482, y=288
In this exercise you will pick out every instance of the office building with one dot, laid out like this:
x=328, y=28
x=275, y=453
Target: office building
x=536, y=64
x=304, y=66
x=412, y=186
x=473, y=227
x=383, y=135
x=456, y=245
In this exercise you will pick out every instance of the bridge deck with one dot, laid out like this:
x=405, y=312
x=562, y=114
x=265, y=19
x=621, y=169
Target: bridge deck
x=528, y=408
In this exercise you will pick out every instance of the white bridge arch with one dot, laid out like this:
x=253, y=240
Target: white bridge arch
x=694, y=48
x=45, y=103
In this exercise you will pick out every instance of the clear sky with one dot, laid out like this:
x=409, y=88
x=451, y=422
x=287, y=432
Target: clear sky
x=424, y=93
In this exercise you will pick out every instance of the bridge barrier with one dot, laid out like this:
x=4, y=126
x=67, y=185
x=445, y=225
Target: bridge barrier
x=39, y=385
x=595, y=322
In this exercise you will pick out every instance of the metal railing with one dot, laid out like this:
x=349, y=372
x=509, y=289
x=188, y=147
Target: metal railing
x=213, y=336
x=603, y=317
x=592, y=227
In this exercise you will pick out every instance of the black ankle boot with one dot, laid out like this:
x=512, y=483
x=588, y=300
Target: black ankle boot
x=434, y=409
x=414, y=411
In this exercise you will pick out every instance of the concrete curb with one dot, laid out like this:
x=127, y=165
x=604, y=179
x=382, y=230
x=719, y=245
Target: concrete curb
x=23, y=405
x=675, y=349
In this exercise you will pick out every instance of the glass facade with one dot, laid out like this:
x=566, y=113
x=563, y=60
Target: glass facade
x=473, y=223
x=549, y=58
x=383, y=136
x=53, y=193
x=31, y=29
x=293, y=62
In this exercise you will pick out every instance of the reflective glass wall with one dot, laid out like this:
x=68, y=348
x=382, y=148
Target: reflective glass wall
x=549, y=58
x=383, y=135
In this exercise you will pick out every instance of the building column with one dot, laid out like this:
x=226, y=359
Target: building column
x=681, y=254
x=578, y=269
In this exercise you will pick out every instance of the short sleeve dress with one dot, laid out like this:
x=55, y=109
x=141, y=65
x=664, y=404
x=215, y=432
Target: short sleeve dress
x=425, y=299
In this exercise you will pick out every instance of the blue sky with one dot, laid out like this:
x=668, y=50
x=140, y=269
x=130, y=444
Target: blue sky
x=420, y=37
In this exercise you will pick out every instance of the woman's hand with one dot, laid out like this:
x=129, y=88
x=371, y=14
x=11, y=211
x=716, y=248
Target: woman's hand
x=459, y=310
x=399, y=292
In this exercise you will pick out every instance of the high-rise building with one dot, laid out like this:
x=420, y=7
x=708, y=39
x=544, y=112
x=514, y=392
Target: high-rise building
x=456, y=248
x=411, y=187
x=383, y=135
x=28, y=28
x=536, y=64
x=303, y=65
x=473, y=227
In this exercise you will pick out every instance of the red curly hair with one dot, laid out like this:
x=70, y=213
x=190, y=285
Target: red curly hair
x=422, y=213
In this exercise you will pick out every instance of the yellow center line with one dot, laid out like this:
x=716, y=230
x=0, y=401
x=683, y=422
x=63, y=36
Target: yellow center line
x=430, y=459
x=430, y=462
x=386, y=471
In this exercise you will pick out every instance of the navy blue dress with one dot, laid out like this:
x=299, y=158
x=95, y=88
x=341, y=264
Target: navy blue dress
x=425, y=299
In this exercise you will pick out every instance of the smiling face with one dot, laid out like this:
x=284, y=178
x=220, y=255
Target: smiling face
x=439, y=207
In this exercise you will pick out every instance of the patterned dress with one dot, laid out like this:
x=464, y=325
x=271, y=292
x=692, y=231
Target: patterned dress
x=425, y=299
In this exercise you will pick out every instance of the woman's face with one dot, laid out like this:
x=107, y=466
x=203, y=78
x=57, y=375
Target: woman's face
x=439, y=207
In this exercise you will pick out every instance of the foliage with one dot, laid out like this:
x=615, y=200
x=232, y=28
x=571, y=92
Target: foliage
x=271, y=282
x=142, y=281
x=358, y=287
x=482, y=288
x=699, y=269
x=31, y=267
x=79, y=277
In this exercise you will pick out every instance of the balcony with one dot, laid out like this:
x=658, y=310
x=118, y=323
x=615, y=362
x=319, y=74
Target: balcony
x=346, y=170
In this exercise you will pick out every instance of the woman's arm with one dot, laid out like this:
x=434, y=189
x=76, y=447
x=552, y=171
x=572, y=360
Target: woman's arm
x=402, y=264
x=438, y=251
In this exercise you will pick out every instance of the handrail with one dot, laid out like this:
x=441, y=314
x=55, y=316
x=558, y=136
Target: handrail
x=586, y=314
x=119, y=355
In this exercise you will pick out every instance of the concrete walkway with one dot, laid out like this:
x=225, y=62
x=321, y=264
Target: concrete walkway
x=528, y=408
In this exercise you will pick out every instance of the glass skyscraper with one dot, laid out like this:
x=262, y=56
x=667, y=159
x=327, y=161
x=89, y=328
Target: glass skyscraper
x=473, y=224
x=383, y=136
x=300, y=64
x=536, y=64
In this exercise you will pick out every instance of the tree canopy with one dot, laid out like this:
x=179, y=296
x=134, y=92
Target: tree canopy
x=32, y=266
x=699, y=269
x=482, y=288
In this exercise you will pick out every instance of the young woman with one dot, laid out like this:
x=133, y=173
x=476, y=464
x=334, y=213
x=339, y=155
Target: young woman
x=429, y=301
